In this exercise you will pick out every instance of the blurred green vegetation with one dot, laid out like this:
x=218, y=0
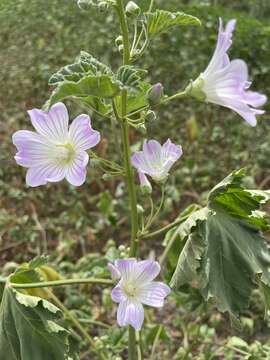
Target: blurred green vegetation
x=37, y=37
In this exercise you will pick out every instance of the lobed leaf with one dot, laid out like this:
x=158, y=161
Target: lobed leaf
x=225, y=253
x=161, y=20
x=29, y=328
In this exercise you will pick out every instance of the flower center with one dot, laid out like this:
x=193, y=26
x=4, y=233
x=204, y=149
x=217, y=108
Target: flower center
x=66, y=153
x=129, y=289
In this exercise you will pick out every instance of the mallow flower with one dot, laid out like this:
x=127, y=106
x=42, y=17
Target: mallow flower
x=155, y=159
x=56, y=150
x=135, y=289
x=225, y=82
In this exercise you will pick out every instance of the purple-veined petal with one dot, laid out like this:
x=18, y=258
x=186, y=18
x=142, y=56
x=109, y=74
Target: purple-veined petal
x=115, y=273
x=145, y=271
x=117, y=294
x=152, y=152
x=81, y=133
x=126, y=267
x=247, y=113
x=153, y=293
x=130, y=313
x=53, y=125
x=76, y=172
x=41, y=175
x=33, y=149
x=170, y=154
x=254, y=98
x=139, y=162
x=220, y=57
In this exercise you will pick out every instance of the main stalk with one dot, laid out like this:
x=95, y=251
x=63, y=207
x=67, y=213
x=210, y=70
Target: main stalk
x=132, y=354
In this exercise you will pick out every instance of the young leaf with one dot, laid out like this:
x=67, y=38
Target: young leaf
x=87, y=80
x=84, y=65
x=225, y=252
x=161, y=20
x=29, y=329
x=130, y=76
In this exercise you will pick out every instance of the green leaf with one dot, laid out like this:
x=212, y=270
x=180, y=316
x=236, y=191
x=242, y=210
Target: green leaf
x=161, y=20
x=225, y=253
x=102, y=86
x=87, y=80
x=38, y=261
x=136, y=100
x=29, y=328
x=230, y=196
x=85, y=64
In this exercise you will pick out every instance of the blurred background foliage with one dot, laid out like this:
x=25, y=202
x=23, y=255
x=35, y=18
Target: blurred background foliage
x=37, y=37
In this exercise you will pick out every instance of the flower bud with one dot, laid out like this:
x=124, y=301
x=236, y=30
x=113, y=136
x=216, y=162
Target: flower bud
x=132, y=9
x=155, y=94
x=119, y=40
x=121, y=48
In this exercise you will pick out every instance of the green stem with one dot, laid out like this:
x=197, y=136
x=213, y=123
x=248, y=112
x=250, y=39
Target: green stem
x=77, y=324
x=151, y=6
x=168, y=247
x=164, y=228
x=132, y=353
x=155, y=343
x=162, y=102
x=62, y=282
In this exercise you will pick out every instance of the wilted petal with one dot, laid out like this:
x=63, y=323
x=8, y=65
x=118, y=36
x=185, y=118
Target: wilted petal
x=153, y=294
x=130, y=313
x=52, y=124
x=76, y=172
x=81, y=133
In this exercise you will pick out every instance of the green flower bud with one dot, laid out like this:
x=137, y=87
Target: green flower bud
x=155, y=94
x=121, y=48
x=132, y=9
x=119, y=40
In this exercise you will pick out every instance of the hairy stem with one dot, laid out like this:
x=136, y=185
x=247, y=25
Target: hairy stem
x=62, y=282
x=132, y=353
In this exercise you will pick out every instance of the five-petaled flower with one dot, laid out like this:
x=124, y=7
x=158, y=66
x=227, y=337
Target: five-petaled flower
x=225, y=82
x=56, y=150
x=155, y=159
x=135, y=288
